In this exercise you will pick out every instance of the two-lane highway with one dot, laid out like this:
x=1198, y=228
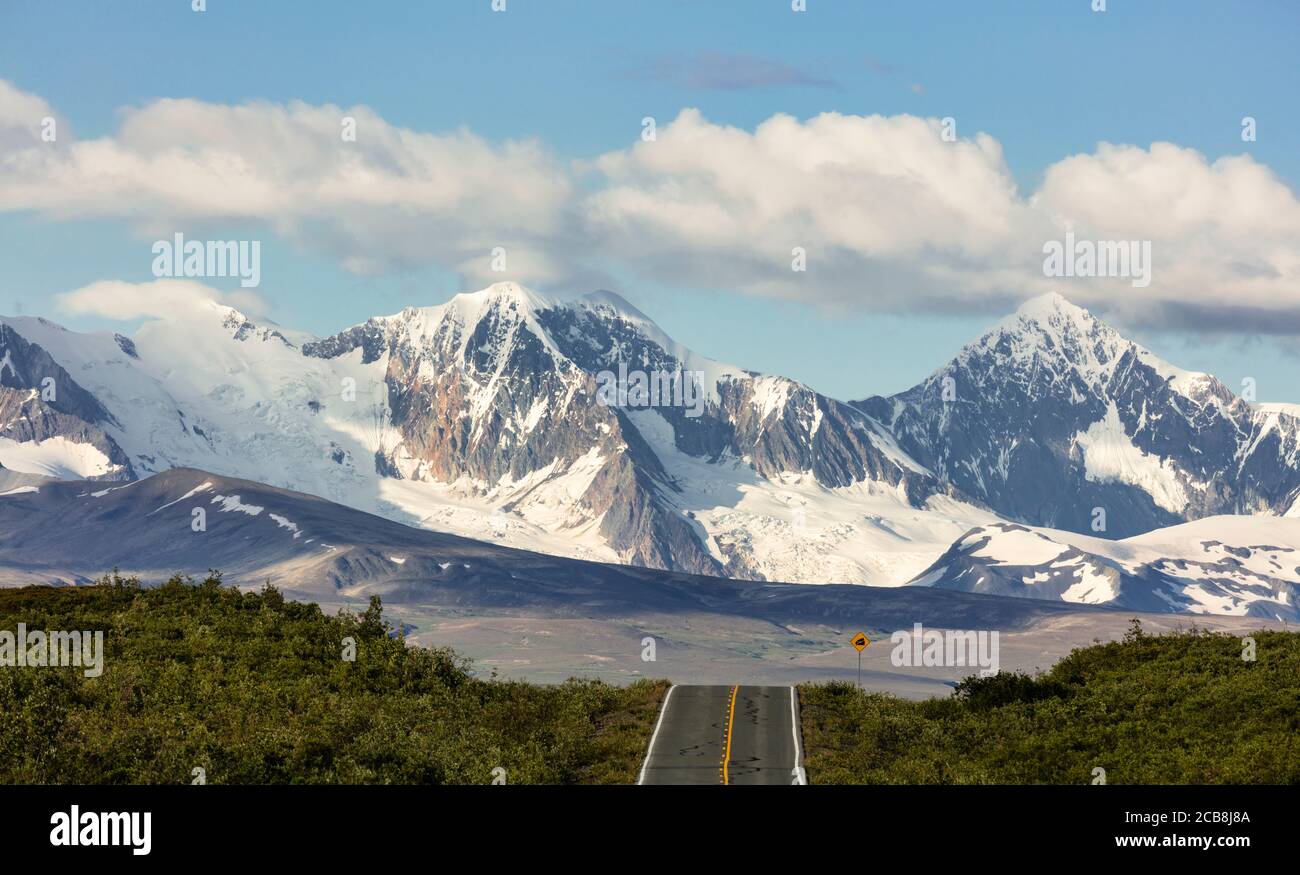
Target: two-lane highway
x=725, y=735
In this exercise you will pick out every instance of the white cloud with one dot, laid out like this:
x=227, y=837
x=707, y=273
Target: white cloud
x=22, y=118
x=1225, y=235
x=888, y=212
x=159, y=299
x=892, y=217
x=393, y=197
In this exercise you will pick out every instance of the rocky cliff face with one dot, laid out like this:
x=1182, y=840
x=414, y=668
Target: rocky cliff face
x=500, y=391
x=478, y=394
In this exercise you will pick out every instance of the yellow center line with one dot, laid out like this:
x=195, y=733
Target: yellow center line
x=731, y=717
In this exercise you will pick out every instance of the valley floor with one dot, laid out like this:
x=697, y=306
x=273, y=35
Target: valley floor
x=703, y=648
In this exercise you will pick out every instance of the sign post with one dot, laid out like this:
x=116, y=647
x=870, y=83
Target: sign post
x=860, y=642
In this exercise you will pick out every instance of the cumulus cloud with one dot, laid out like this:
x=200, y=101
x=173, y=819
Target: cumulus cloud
x=887, y=211
x=892, y=215
x=393, y=197
x=1225, y=235
x=159, y=299
x=23, y=119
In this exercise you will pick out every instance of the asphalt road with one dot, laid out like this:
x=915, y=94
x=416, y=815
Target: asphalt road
x=725, y=735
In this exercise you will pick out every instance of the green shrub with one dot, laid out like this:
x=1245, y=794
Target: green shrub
x=1183, y=708
x=252, y=688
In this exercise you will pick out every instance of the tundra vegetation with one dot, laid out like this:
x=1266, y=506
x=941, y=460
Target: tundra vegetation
x=253, y=688
x=1183, y=708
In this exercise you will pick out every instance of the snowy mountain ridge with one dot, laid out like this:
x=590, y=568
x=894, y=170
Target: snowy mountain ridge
x=480, y=417
x=1233, y=565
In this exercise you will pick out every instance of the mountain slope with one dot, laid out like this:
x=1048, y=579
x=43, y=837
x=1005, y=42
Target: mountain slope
x=315, y=549
x=1052, y=418
x=49, y=425
x=478, y=395
x=1233, y=565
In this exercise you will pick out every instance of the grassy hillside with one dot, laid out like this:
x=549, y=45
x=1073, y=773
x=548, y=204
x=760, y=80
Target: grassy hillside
x=254, y=689
x=1182, y=708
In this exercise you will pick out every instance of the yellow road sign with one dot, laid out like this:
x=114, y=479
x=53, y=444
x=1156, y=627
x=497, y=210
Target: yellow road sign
x=860, y=641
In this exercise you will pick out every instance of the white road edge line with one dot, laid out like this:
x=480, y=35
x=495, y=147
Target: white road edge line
x=654, y=735
x=794, y=730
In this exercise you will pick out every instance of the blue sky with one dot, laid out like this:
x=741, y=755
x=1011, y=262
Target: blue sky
x=1046, y=80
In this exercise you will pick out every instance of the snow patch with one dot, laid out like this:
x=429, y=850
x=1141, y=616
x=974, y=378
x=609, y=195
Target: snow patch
x=791, y=528
x=1110, y=456
x=1092, y=588
x=1015, y=547
x=232, y=503
x=55, y=457
x=285, y=523
x=102, y=492
x=202, y=487
x=21, y=490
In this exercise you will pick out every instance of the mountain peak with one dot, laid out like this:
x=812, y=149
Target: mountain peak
x=1087, y=343
x=502, y=292
x=467, y=309
x=1051, y=322
x=1049, y=328
x=1050, y=303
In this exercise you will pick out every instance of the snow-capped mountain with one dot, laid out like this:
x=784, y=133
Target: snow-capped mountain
x=1052, y=418
x=488, y=417
x=494, y=396
x=1237, y=565
x=483, y=417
